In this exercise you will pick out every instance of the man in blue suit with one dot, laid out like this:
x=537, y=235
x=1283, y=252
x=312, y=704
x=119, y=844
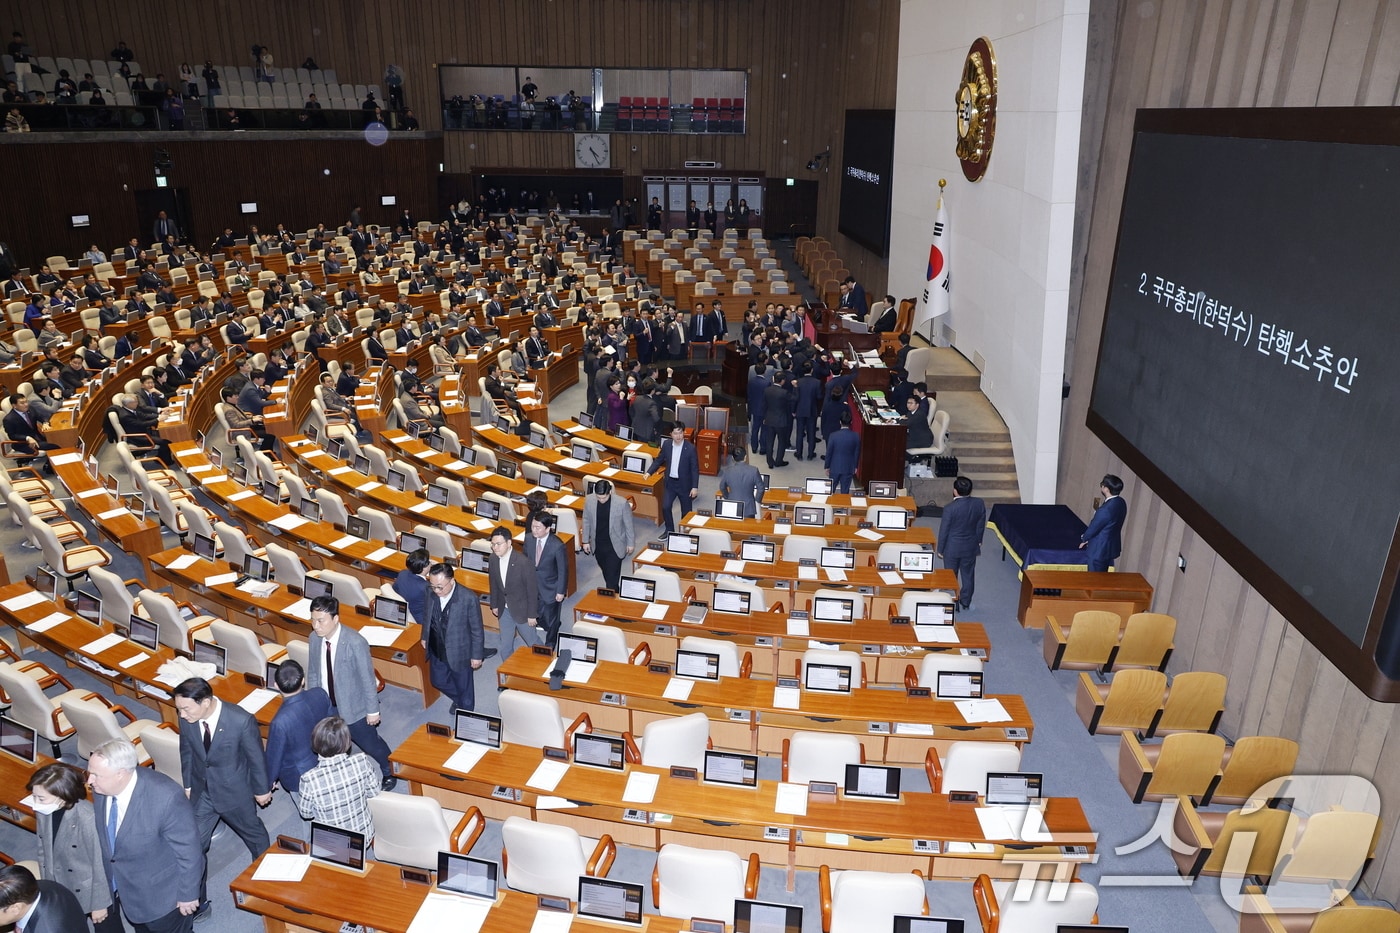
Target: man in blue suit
x=1104, y=536
x=149, y=839
x=758, y=408
x=960, y=537
x=289, y=753
x=682, y=465
x=842, y=454
x=809, y=405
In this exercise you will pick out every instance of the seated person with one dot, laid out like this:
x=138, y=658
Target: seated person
x=918, y=435
x=333, y=401
x=240, y=420
x=50, y=335
x=416, y=406
x=536, y=349
x=253, y=397
x=138, y=419
x=338, y=789
x=27, y=431
x=502, y=394
x=75, y=375
x=520, y=360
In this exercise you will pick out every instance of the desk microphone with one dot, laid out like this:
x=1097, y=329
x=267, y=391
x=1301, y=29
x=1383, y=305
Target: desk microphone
x=556, y=676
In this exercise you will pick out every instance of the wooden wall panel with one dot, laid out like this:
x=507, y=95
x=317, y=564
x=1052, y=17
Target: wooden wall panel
x=808, y=61
x=1227, y=53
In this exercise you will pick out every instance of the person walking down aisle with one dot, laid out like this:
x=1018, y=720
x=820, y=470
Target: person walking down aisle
x=960, y=537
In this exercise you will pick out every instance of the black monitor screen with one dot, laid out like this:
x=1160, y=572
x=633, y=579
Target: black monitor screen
x=313, y=587
x=734, y=768
x=478, y=728
x=462, y=874
x=873, y=781
x=474, y=560
x=602, y=899
x=338, y=846
x=207, y=653
x=17, y=739
x=907, y=923
x=437, y=495
x=144, y=632
x=410, y=542
x=1247, y=358
x=203, y=546
x=867, y=174
x=357, y=526
x=394, y=611
x=580, y=647
x=759, y=917
x=488, y=509
x=600, y=751
x=637, y=588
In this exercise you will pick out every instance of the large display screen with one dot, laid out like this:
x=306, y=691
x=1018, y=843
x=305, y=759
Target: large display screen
x=1247, y=364
x=867, y=172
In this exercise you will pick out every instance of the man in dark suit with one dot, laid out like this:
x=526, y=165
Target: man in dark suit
x=758, y=408
x=289, y=753
x=682, y=466
x=777, y=419
x=853, y=298
x=809, y=406
x=22, y=427
x=38, y=906
x=340, y=664
x=646, y=413
x=149, y=839
x=221, y=758
x=544, y=549
x=740, y=480
x=515, y=593
x=960, y=537
x=453, y=636
x=842, y=454
x=1104, y=536
x=705, y=326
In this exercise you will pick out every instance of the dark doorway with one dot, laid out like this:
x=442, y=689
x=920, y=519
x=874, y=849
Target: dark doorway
x=176, y=204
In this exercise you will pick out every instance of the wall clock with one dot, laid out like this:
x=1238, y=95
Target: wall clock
x=592, y=150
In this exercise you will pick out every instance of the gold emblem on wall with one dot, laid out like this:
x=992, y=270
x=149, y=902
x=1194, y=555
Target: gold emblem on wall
x=976, y=101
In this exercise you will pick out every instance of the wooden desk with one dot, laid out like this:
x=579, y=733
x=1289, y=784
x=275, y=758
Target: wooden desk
x=786, y=500
x=882, y=446
x=283, y=616
x=841, y=833
x=791, y=573
x=765, y=634
x=68, y=639
x=14, y=774
x=560, y=372
x=851, y=536
x=610, y=442
x=1062, y=593
x=449, y=467
x=895, y=728
x=139, y=536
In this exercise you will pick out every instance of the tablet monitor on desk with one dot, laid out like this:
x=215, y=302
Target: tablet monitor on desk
x=507, y=468
x=358, y=527
x=634, y=463
x=271, y=490
x=17, y=739
x=933, y=614
x=361, y=464
x=826, y=678
x=624, y=432
x=916, y=562
x=735, y=601
x=209, y=653
x=397, y=480
x=88, y=607
x=410, y=542
x=837, y=558
x=203, y=546
x=436, y=442
x=813, y=515
x=314, y=587
x=488, y=509
x=732, y=769
x=599, y=751
x=871, y=782
x=906, y=923
x=582, y=648
x=892, y=520
x=551, y=481
x=761, y=917
x=816, y=486
x=678, y=543
x=959, y=685
x=435, y=494
x=697, y=665
x=881, y=489
x=610, y=901
x=477, y=728
x=638, y=588
x=582, y=452
x=336, y=846
x=143, y=632
x=1013, y=788
x=46, y=583
x=1087, y=928
x=763, y=552
x=335, y=447
x=257, y=568
x=474, y=560
x=584, y=419
x=833, y=609
x=393, y=611
x=503, y=424
x=729, y=508
x=462, y=874
x=539, y=435
x=216, y=457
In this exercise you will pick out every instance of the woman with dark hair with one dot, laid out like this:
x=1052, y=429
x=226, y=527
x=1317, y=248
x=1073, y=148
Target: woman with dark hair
x=69, y=851
x=617, y=405
x=338, y=789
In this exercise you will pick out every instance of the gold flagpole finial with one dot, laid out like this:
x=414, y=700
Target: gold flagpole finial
x=942, y=183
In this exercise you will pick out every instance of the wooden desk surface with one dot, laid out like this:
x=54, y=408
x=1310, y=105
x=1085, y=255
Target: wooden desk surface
x=450, y=467
x=788, y=570
x=14, y=774
x=1062, y=593
x=786, y=500
x=611, y=442
x=752, y=719
x=139, y=536
x=867, y=539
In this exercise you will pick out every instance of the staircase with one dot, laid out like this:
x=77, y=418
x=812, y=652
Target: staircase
x=977, y=435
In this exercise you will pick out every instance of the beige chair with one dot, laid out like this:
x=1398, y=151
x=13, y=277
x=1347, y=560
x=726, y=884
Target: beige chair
x=95, y=722
x=176, y=631
x=1249, y=764
x=118, y=602
x=1087, y=645
x=1184, y=764
x=1204, y=839
x=862, y=901
x=30, y=706
x=679, y=741
x=820, y=756
x=965, y=765
x=612, y=643
x=287, y=567
x=412, y=830
x=730, y=664
x=1003, y=907
x=1331, y=851
x=1195, y=703
x=1347, y=917
x=848, y=659
x=246, y=654
x=534, y=721
x=69, y=563
x=1131, y=702
x=688, y=882
x=935, y=663
x=347, y=588
x=857, y=600
x=1146, y=642
x=541, y=858
x=162, y=742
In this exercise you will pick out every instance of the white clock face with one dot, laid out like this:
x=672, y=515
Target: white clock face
x=592, y=150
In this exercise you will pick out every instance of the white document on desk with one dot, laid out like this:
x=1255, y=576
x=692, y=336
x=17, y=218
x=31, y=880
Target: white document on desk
x=784, y=528
x=422, y=507
x=835, y=574
x=440, y=912
x=579, y=672
x=611, y=471
x=567, y=500
x=798, y=628
x=655, y=611
x=343, y=542
x=301, y=609
x=97, y=646
x=678, y=688
x=791, y=799
x=734, y=566
x=787, y=698
x=641, y=787
x=570, y=463
x=49, y=621
x=986, y=710
x=465, y=757
x=553, y=921
x=123, y=510
x=913, y=728
x=219, y=579
x=23, y=601
x=371, y=486
x=257, y=699
x=282, y=866
x=807, y=573
x=937, y=634
x=819, y=499
x=698, y=521
x=891, y=578
x=547, y=776
x=870, y=535
x=62, y=459
x=380, y=636
x=857, y=502
x=646, y=557
x=134, y=660
x=483, y=524
x=379, y=554
x=183, y=561
x=289, y=522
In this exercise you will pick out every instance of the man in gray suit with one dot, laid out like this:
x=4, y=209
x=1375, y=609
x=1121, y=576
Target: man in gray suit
x=339, y=661
x=544, y=549
x=741, y=480
x=225, y=771
x=36, y=906
x=607, y=531
x=150, y=842
x=515, y=593
x=454, y=637
x=645, y=413
x=960, y=536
